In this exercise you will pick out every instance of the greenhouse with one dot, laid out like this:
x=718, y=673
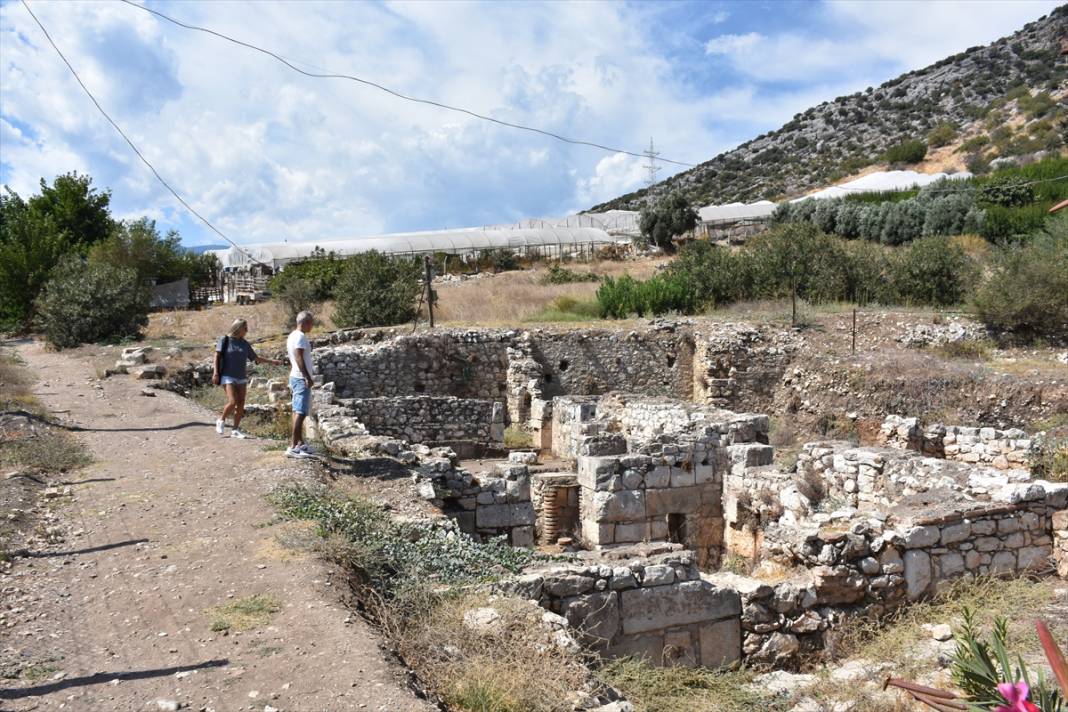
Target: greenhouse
x=541, y=239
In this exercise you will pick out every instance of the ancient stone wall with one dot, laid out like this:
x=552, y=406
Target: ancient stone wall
x=430, y=420
x=1003, y=449
x=658, y=608
x=739, y=367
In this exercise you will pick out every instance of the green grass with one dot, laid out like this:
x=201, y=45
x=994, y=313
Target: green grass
x=244, y=613
x=680, y=689
x=517, y=438
x=568, y=309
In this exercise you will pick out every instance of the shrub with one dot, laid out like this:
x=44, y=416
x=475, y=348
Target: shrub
x=620, y=298
x=932, y=270
x=1027, y=290
x=1006, y=191
x=87, y=303
x=942, y=134
x=375, y=290
x=715, y=274
x=1005, y=225
x=562, y=275
x=296, y=295
x=911, y=151
x=319, y=274
x=975, y=143
x=977, y=163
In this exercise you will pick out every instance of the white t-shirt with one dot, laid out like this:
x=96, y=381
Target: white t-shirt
x=299, y=340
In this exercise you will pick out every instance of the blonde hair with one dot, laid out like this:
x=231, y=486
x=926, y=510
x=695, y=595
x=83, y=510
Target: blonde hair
x=237, y=326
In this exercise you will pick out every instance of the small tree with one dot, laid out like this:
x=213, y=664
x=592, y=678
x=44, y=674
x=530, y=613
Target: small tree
x=785, y=259
x=84, y=303
x=671, y=217
x=911, y=151
x=932, y=270
x=375, y=290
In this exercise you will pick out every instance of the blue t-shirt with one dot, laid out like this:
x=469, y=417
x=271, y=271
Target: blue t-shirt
x=236, y=358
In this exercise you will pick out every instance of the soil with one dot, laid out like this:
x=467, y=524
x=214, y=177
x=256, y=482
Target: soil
x=170, y=522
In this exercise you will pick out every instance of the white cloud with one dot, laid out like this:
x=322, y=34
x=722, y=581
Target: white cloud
x=734, y=45
x=614, y=175
x=720, y=17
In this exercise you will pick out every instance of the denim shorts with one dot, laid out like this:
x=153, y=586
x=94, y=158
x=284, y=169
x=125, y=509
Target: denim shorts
x=231, y=381
x=301, y=395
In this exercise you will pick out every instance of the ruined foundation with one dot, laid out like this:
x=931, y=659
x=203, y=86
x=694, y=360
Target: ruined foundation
x=658, y=471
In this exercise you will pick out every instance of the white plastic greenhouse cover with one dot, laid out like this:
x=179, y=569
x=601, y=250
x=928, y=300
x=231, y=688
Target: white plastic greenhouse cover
x=736, y=211
x=461, y=241
x=884, y=180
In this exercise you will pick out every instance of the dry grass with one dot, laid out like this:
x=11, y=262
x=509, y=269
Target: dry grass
x=680, y=689
x=244, y=613
x=511, y=665
x=265, y=319
x=896, y=637
x=509, y=298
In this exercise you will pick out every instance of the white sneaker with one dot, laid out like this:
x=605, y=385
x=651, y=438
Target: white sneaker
x=306, y=448
x=220, y=425
x=297, y=453
x=235, y=433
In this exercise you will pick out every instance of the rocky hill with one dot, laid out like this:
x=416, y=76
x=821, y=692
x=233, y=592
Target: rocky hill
x=1009, y=98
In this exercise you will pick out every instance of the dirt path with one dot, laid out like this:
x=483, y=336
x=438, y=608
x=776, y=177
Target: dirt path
x=169, y=522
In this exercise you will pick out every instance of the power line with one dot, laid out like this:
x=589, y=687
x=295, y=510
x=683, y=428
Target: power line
x=399, y=95
x=122, y=133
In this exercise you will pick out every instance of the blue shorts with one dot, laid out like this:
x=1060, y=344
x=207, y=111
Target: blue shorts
x=301, y=395
x=231, y=381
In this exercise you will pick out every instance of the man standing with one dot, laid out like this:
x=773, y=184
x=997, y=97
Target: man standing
x=300, y=383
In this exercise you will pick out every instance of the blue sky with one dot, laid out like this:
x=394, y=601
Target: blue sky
x=269, y=155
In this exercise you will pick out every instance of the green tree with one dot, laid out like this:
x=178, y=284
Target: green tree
x=155, y=258
x=671, y=217
x=67, y=216
x=932, y=270
x=785, y=259
x=375, y=290
x=83, y=303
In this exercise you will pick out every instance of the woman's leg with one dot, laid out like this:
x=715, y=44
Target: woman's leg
x=231, y=401
x=239, y=395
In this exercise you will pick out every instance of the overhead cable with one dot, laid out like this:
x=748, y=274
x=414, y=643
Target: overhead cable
x=399, y=95
x=140, y=155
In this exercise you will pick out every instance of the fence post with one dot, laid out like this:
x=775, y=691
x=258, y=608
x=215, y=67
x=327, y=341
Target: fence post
x=429, y=290
x=854, y=348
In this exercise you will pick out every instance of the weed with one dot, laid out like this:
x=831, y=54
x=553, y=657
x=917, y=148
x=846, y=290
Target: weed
x=1050, y=461
x=812, y=486
x=568, y=309
x=562, y=275
x=893, y=636
x=736, y=564
x=517, y=437
x=244, y=613
x=970, y=350
x=50, y=451
x=680, y=689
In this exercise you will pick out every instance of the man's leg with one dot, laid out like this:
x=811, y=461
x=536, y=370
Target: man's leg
x=240, y=391
x=298, y=429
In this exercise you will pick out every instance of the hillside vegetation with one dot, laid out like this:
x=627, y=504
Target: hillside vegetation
x=1005, y=99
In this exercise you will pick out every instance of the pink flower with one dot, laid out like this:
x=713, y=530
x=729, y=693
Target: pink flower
x=1016, y=695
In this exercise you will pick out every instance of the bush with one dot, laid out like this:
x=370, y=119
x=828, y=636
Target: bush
x=620, y=298
x=1006, y=191
x=88, y=303
x=319, y=274
x=296, y=295
x=562, y=275
x=911, y=151
x=715, y=274
x=932, y=270
x=1027, y=290
x=942, y=134
x=375, y=290
x=1006, y=225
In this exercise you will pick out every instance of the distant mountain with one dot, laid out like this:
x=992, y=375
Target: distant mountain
x=1008, y=98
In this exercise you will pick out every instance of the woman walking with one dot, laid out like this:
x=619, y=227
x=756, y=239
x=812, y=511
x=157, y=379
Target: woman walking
x=232, y=355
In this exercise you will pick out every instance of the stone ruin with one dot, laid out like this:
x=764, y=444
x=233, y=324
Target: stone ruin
x=649, y=473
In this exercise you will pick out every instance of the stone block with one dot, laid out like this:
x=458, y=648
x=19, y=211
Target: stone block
x=1060, y=520
x=564, y=585
x=679, y=649
x=1033, y=557
x=682, y=478
x=704, y=474
x=984, y=527
x=595, y=616
x=920, y=537
x=628, y=533
x=648, y=609
x=658, y=575
x=648, y=647
x=523, y=514
x=493, y=516
x=950, y=565
x=623, y=506
x=682, y=500
x=1004, y=562
x=595, y=473
x=917, y=573
x=658, y=477
x=954, y=533
x=987, y=543
x=522, y=536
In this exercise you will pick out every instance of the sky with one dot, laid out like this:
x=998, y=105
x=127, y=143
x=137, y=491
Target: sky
x=269, y=155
